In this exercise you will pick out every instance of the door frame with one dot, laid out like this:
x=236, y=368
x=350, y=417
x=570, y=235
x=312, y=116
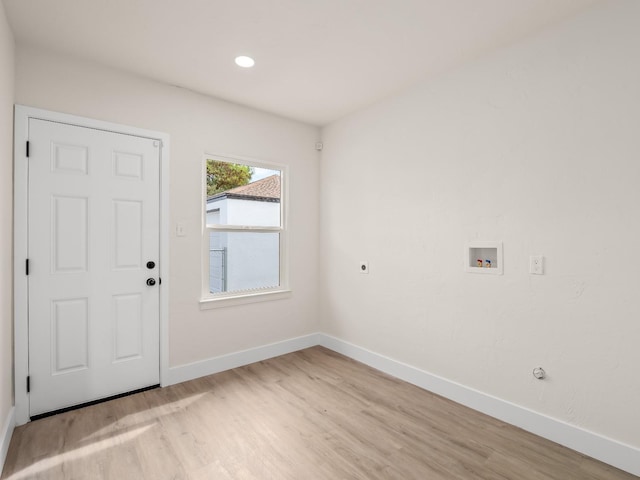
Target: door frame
x=21, y=236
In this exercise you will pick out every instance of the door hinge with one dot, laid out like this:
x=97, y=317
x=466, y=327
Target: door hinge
x=27, y=266
x=29, y=384
x=27, y=148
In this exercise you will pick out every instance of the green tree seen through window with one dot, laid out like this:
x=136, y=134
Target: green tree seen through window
x=223, y=176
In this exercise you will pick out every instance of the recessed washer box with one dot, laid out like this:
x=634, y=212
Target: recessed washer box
x=484, y=257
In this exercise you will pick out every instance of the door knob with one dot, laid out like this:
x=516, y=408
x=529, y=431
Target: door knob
x=151, y=265
x=151, y=282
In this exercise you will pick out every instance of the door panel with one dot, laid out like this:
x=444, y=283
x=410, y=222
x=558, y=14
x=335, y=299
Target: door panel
x=69, y=340
x=69, y=234
x=93, y=226
x=69, y=159
x=127, y=235
x=127, y=326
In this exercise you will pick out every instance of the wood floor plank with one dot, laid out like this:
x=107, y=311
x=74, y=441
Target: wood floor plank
x=312, y=414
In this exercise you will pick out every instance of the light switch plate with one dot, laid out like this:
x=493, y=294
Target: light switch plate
x=536, y=265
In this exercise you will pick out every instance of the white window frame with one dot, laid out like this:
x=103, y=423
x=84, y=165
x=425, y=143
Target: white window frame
x=210, y=300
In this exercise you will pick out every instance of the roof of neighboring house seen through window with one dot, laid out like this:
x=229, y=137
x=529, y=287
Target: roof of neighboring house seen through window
x=265, y=190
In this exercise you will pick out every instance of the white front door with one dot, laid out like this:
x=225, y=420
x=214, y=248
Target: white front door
x=93, y=247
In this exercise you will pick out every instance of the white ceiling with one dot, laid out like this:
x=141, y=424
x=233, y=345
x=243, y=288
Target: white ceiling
x=316, y=60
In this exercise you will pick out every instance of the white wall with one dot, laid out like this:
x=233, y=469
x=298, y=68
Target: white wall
x=198, y=124
x=251, y=212
x=537, y=145
x=6, y=220
x=252, y=260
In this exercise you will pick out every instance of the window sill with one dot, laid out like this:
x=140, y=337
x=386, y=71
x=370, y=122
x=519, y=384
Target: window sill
x=243, y=298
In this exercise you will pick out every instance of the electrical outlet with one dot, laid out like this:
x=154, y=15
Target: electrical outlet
x=364, y=267
x=536, y=265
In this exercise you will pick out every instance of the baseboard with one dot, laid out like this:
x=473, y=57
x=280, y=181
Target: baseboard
x=619, y=455
x=5, y=436
x=210, y=366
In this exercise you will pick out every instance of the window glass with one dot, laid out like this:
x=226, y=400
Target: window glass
x=243, y=228
x=241, y=261
x=242, y=194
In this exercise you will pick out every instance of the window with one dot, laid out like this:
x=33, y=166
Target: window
x=244, y=233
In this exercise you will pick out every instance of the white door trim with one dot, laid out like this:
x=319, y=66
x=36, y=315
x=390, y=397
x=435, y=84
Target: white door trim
x=20, y=236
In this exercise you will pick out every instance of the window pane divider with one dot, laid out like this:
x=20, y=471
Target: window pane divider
x=243, y=228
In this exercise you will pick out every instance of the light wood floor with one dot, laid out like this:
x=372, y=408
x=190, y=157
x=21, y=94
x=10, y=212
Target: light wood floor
x=309, y=415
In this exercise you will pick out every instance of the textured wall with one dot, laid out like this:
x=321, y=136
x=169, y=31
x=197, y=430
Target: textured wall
x=536, y=145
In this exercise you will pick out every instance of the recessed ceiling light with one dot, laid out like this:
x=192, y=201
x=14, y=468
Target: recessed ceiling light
x=245, y=62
